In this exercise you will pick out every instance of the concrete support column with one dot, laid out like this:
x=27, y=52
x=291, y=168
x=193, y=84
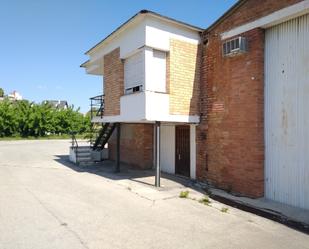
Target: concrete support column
x=117, y=170
x=157, y=153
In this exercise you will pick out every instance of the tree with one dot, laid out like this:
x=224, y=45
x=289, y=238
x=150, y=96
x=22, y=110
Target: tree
x=1, y=92
x=23, y=118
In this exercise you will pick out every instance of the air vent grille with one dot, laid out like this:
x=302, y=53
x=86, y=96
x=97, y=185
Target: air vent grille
x=234, y=46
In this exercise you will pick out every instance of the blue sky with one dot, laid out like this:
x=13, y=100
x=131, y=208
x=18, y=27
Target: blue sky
x=42, y=43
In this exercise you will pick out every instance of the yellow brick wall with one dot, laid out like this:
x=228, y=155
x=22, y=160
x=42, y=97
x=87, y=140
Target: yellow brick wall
x=113, y=82
x=183, y=77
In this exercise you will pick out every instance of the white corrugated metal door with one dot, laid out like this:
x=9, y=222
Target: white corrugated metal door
x=287, y=112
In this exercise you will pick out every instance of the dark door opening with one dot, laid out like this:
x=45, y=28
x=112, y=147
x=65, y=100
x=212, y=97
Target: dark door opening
x=182, y=151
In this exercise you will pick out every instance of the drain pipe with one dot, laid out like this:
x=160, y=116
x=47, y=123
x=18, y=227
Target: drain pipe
x=117, y=170
x=157, y=153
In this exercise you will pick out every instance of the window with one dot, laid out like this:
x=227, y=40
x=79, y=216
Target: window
x=134, y=73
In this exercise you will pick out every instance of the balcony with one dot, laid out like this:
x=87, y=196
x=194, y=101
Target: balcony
x=138, y=107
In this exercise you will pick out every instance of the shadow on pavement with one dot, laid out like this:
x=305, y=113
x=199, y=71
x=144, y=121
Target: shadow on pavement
x=107, y=169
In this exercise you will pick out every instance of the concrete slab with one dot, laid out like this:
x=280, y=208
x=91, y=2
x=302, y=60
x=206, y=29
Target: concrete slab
x=285, y=212
x=47, y=202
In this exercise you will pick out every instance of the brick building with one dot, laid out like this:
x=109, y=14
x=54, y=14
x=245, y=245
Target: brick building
x=224, y=105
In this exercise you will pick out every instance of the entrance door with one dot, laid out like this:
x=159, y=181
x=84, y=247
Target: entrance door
x=182, y=156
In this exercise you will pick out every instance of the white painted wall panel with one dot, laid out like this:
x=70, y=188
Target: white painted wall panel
x=133, y=107
x=287, y=112
x=159, y=33
x=128, y=41
x=134, y=70
x=155, y=70
x=167, y=148
x=157, y=106
x=147, y=31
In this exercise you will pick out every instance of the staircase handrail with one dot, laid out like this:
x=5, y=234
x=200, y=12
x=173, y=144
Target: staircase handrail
x=74, y=140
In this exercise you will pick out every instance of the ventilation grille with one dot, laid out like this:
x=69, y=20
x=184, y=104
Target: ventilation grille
x=234, y=46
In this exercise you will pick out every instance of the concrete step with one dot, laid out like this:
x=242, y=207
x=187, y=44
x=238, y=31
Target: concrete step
x=83, y=149
x=84, y=154
x=85, y=159
x=83, y=164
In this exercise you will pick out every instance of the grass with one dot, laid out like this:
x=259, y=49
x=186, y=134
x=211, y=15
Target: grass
x=64, y=136
x=205, y=200
x=184, y=194
x=224, y=210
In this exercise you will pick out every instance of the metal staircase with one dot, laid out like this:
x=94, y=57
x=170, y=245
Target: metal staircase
x=98, y=136
x=104, y=135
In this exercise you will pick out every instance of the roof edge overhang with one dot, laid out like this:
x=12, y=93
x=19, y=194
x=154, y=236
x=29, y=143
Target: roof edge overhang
x=142, y=13
x=85, y=64
x=227, y=13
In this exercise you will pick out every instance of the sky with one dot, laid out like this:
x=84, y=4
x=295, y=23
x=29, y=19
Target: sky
x=42, y=42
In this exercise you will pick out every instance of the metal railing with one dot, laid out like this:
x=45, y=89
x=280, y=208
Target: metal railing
x=94, y=132
x=74, y=145
x=97, y=106
x=74, y=141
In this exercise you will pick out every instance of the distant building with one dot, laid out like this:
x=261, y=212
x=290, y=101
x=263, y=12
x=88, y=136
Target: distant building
x=59, y=104
x=15, y=96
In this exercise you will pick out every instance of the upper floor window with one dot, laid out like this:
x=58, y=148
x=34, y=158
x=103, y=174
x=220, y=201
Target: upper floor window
x=134, y=73
x=145, y=70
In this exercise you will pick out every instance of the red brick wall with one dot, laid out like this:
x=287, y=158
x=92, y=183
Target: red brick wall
x=251, y=10
x=113, y=82
x=230, y=138
x=136, y=145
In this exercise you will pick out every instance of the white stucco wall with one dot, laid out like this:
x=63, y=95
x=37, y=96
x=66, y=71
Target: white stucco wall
x=167, y=149
x=132, y=107
x=129, y=40
x=155, y=70
x=159, y=33
x=142, y=31
x=157, y=106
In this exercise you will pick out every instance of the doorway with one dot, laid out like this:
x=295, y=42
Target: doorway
x=182, y=150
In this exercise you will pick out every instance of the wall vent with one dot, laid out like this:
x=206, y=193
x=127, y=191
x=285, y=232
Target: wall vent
x=234, y=46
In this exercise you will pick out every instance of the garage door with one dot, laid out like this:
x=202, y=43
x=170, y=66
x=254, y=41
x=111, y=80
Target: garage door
x=287, y=112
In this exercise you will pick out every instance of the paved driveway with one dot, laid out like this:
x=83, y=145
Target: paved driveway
x=45, y=203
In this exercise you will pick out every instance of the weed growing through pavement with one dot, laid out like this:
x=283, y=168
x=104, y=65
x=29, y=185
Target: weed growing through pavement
x=205, y=200
x=184, y=194
x=224, y=210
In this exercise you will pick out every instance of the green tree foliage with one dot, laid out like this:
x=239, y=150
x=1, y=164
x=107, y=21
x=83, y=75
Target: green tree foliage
x=1, y=92
x=23, y=118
